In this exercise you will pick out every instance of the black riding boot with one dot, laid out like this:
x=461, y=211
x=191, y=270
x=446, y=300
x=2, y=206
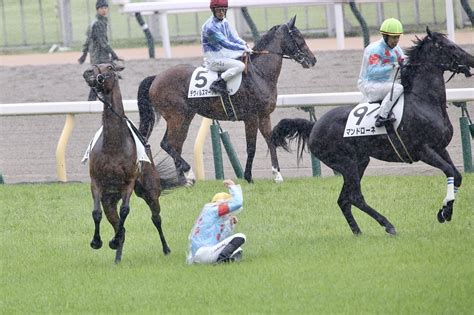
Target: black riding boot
x=225, y=255
x=219, y=86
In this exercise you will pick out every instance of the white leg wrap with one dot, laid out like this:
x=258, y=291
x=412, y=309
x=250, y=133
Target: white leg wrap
x=190, y=178
x=277, y=176
x=450, y=191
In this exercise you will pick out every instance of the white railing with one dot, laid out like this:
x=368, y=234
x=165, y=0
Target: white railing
x=283, y=101
x=162, y=8
x=289, y=100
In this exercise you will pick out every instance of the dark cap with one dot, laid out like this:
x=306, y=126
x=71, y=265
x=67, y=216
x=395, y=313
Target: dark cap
x=101, y=3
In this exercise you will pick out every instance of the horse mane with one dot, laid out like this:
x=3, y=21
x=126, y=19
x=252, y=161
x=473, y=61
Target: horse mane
x=266, y=38
x=415, y=57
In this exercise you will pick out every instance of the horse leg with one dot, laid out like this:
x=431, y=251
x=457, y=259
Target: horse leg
x=148, y=189
x=179, y=162
x=181, y=137
x=265, y=127
x=119, y=237
x=173, y=147
x=109, y=203
x=345, y=204
x=351, y=193
x=96, y=242
x=358, y=199
x=251, y=127
x=442, y=161
x=156, y=219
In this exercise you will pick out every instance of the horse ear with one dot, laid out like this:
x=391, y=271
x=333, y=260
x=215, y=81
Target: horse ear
x=291, y=23
x=428, y=32
x=118, y=67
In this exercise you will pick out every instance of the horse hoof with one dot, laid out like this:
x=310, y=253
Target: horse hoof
x=114, y=244
x=96, y=243
x=166, y=251
x=277, y=178
x=391, y=230
x=440, y=216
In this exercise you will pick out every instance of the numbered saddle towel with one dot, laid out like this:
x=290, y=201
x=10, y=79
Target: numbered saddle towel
x=202, y=78
x=361, y=120
x=141, y=151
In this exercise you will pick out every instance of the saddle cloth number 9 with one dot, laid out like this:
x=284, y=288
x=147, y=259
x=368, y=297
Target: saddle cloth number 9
x=361, y=120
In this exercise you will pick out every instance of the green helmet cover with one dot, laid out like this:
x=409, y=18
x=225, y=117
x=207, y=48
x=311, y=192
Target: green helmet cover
x=392, y=27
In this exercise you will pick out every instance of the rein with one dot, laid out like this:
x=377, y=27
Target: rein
x=454, y=67
x=299, y=56
x=100, y=78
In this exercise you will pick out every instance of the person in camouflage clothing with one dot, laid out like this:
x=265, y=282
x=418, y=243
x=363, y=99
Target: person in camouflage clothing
x=97, y=43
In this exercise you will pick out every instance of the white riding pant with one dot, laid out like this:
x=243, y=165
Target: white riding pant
x=209, y=254
x=374, y=92
x=229, y=67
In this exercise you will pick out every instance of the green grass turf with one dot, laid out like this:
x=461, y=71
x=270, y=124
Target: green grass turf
x=300, y=255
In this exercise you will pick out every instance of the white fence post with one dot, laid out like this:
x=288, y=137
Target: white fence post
x=65, y=18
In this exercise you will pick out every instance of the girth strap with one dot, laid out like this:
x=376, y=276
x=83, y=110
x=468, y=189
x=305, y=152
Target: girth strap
x=398, y=145
x=228, y=107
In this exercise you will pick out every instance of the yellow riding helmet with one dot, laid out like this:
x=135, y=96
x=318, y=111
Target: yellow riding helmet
x=391, y=27
x=221, y=196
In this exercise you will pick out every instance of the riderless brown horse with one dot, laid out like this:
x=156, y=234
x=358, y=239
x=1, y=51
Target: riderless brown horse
x=113, y=164
x=425, y=129
x=167, y=94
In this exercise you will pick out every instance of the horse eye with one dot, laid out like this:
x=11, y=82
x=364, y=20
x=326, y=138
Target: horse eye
x=110, y=68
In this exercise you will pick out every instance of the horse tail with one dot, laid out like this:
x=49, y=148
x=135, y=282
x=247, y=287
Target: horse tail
x=291, y=129
x=145, y=109
x=169, y=177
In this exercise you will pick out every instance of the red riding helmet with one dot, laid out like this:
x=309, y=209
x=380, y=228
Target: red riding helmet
x=219, y=4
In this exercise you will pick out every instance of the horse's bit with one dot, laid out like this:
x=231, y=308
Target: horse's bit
x=100, y=78
x=299, y=56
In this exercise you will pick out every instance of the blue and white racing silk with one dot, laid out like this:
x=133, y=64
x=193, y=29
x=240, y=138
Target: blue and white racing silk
x=213, y=224
x=378, y=61
x=219, y=40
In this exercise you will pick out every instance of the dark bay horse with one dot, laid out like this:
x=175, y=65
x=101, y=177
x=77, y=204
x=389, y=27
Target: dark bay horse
x=167, y=94
x=425, y=129
x=113, y=164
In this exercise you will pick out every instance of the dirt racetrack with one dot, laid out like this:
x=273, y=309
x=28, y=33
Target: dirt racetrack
x=28, y=143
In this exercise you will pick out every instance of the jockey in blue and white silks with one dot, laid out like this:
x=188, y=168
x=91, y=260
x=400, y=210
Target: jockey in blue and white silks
x=221, y=45
x=219, y=40
x=379, y=65
x=211, y=236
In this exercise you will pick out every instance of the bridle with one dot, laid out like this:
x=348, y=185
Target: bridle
x=100, y=78
x=453, y=65
x=98, y=90
x=297, y=55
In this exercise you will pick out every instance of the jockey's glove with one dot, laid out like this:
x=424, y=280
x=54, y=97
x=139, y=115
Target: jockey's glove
x=248, y=50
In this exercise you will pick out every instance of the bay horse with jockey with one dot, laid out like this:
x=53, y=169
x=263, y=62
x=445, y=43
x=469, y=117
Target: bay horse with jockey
x=167, y=94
